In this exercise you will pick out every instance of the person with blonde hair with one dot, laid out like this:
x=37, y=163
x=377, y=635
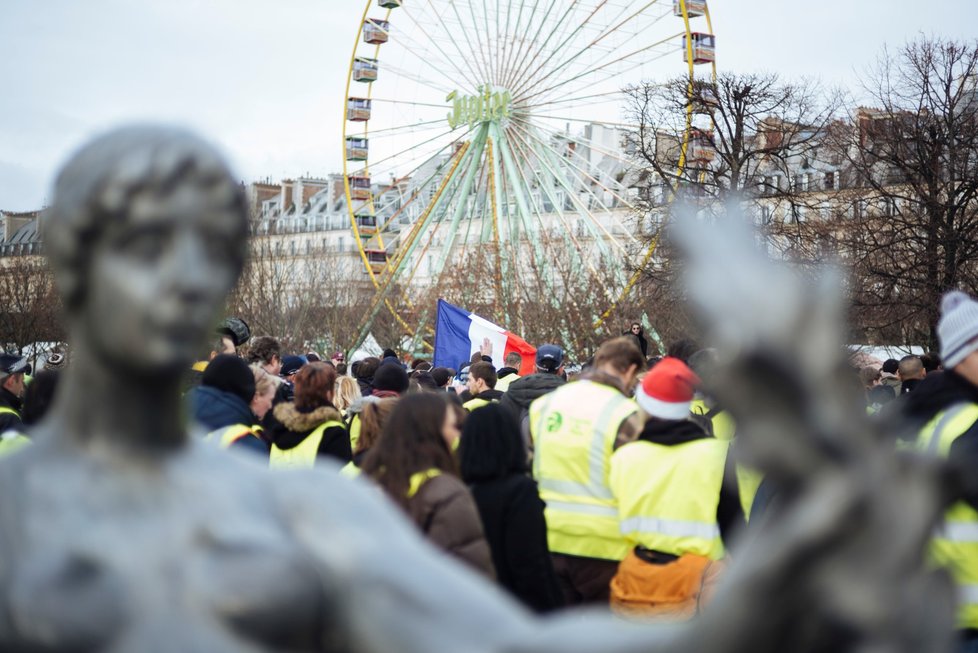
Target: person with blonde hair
x=347, y=392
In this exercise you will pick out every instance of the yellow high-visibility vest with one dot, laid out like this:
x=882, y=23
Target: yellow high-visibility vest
x=304, y=454
x=668, y=495
x=724, y=428
x=12, y=441
x=231, y=434
x=478, y=402
x=354, y=431
x=503, y=384
x=955, y=544
x=574, y=430
x=420, y=478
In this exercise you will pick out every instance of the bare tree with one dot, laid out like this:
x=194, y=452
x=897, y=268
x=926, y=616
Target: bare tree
x=909, y=224
x=739, y=138
x=31, y=309
x=304, y=297
x=749, y=125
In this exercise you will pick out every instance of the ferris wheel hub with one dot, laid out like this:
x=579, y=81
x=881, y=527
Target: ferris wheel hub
x=489, y=104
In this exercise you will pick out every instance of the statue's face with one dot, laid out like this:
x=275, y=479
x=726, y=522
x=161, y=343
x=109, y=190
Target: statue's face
x=157, y=278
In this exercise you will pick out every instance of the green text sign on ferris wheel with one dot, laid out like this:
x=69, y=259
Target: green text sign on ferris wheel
x=488, y=103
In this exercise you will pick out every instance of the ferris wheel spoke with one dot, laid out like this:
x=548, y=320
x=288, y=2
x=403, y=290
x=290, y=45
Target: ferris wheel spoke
x=529, y=78
x=511, y=52
x=595, y=69
x=453, y=39
x=397, y=156
x=465, y=37
x=568, y=60
x=518, y=190
x=512, y=71
x=618, y=156
x=426, y=125
x=501, y=272
x=529, y=154
x=517, y=52
x=469, y=77
x=572, y=194
x=564, y=35
x=578, y=98
x=547, y=188
x=596, y=181
x=484, y=51
x=418, y=78
x=410, y=103
x=431, y=62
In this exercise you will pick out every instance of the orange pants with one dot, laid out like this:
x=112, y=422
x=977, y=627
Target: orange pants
x=674, y=591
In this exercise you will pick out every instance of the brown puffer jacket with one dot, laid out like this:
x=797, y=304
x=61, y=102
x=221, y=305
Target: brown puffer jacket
x=445, y=512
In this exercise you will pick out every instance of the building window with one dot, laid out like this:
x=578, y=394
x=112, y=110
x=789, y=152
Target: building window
x=829, y=183
x=766, y=214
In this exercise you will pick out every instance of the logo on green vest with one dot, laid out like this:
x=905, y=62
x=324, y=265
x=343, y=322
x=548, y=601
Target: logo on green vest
x=554, y=422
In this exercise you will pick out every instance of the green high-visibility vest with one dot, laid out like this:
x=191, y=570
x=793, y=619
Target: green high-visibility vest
x=955, y=544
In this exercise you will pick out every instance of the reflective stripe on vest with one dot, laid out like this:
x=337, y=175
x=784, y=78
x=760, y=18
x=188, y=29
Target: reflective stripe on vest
x=231, y=434
x=4, y=410
x=668, y=495
x=574, y=430
x=671, y=527
x=303, y=455
x=955, y=542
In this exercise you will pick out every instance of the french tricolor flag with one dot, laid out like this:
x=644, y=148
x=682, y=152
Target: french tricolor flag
x=459, y=334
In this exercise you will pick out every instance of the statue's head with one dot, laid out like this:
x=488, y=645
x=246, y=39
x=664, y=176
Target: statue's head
x=146, y=235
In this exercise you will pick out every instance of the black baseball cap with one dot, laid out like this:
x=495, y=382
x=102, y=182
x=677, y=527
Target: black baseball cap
x=12, y=364
x=549, y=357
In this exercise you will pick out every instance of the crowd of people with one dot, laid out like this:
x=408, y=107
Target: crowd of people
x=616, y=485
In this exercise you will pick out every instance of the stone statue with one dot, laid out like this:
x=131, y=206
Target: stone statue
x=121, y=531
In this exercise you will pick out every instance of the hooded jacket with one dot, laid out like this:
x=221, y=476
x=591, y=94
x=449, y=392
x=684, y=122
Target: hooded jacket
x=289, y=426
x=522, y=392
x=909, y=413
x=216, y=409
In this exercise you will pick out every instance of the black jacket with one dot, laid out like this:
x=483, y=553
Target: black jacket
x=287, y=427
x=503, y=372
x=639, y=340
x=730, y=513
x=9, y=421
x=512, y=517
x=522, y=392
x=936, y=393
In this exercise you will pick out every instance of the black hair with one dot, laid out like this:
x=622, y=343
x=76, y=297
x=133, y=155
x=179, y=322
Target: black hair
x=491, y=446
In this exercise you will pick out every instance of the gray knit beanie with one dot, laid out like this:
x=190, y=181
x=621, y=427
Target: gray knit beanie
x=957, y=328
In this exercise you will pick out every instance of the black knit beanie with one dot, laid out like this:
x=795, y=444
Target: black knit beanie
x=231, y=374
x=392, y=378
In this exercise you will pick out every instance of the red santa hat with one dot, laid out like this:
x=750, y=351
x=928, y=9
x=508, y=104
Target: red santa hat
x=667, y=390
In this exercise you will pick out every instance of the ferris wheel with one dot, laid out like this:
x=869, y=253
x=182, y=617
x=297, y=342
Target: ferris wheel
x=486, y=149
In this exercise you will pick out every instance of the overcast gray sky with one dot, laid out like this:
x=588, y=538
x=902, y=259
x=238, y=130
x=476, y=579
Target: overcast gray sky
x=264, y=79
